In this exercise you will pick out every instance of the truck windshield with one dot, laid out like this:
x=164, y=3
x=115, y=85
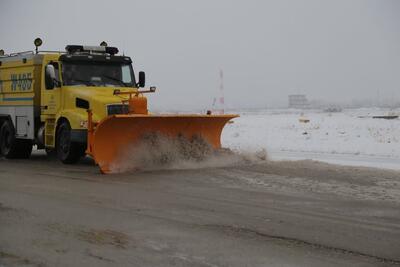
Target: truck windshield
x=98, y=74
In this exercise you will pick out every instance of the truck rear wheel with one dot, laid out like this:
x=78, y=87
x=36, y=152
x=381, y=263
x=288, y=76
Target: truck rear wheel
x=68, y=152
x=13, y=148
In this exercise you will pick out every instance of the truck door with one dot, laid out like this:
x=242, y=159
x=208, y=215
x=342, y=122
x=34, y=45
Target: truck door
x=51, y=97
x=50, y=104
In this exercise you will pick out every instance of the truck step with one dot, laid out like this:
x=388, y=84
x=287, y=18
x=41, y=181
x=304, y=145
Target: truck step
x=49, y=132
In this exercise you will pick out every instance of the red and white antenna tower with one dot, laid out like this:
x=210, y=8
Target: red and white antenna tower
x=218, y=105
x=221, y=89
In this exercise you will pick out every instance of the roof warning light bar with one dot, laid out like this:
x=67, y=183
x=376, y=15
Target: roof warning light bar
x=84, y=49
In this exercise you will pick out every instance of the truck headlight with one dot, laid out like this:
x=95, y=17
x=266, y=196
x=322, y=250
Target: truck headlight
x=84, y=124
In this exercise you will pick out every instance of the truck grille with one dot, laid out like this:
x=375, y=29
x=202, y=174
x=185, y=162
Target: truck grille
x=117, y=109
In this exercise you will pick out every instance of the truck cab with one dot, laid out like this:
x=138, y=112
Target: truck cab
x=45, y=98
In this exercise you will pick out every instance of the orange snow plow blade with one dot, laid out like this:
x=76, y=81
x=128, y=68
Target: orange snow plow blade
x=115, y=134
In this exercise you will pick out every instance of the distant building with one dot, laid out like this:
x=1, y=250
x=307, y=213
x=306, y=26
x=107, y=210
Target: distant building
x=298, y=101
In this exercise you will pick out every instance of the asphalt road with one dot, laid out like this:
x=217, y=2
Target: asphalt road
x=301, y=213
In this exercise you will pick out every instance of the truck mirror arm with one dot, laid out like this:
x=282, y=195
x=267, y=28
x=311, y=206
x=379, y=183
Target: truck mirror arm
x=56, y=83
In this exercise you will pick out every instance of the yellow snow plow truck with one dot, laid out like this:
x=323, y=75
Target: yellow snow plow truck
x=85, y=100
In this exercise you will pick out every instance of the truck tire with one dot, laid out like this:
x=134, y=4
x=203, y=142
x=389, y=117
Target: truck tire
x=51, y=152
x=68, y=152
x=13, y=148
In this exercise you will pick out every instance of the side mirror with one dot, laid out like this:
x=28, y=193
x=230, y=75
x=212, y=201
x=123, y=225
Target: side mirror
x=50, y=76
x=142, y=79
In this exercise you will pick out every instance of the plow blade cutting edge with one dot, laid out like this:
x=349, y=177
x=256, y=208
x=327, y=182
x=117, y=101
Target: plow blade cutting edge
x=108, y=140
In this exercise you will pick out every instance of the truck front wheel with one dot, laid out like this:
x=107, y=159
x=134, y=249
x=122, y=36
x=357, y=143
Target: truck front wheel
x=13, y=148
x=68, y=152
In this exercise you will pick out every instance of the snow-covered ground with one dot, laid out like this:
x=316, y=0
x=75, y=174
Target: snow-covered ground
x=350, y=137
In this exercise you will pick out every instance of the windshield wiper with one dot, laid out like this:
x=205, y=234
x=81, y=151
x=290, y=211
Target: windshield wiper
x=116, y=79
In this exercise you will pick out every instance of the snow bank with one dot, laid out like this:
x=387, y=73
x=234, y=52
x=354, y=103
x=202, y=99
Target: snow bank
x=352, y=132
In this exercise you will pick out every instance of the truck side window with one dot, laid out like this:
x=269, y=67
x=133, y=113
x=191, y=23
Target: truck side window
x=126, y=74
x=57, y=70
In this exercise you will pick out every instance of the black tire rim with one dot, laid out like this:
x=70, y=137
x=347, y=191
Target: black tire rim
x=6, y=140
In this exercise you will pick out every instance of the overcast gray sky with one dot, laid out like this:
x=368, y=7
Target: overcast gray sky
x=335, y=50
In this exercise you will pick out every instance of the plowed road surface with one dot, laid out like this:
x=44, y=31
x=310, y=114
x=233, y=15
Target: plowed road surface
x=266, y=214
